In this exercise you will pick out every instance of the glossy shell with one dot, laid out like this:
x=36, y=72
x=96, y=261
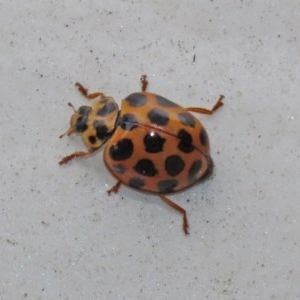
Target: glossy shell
x=158, y=146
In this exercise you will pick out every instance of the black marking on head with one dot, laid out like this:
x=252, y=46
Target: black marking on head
x=81, y=123
x=165, y=102
x=84, y=110
x=101, y=130
x=122, y=150
x=128, y=122
x=136, y=99
x=158, y=116
x=204, y=137
x=145, y=167
x=194, y=169
x=119, y=168
x=186, y=142
x=107, y=108
x=167, y=186
x=174, y=164
x=92, y=139
x=136, y=182
x=153, y=142
x=187, y=119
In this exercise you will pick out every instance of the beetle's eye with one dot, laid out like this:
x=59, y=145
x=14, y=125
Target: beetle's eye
x=81, y=125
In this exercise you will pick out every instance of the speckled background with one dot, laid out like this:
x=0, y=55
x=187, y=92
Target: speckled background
x=62, y=237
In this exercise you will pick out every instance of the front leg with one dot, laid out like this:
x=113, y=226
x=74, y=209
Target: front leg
x=75, y=155
x=89, y=96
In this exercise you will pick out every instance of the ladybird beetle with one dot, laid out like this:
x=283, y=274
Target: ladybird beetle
x=152, y=144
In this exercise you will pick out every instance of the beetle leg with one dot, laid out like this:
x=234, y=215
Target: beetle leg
x=144, y=83
x=115, y=188
x=84, y=91
x=185, y=224
x=205, y=111
x=75, y=155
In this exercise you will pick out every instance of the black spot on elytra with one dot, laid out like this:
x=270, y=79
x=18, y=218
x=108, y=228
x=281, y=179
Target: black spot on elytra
x=210, y=168
x=136, y=182
x=165, y=102
x=158, y=116
x=119, y=168
x=107, y=108
x=194, y=169
x=136, y=99
x=101, y=130
x=153, y=142
x=204, y=137
x=187, y=119
x=122, y=150
x=174, y=164
x=167, y=186
x=185, y=141
x=128, y=122
x=145, y=167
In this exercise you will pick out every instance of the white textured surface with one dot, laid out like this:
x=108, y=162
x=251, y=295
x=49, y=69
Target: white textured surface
x=62, y=237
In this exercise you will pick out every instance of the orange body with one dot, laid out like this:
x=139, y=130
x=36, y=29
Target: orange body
x=167, y=148
x=151, y=143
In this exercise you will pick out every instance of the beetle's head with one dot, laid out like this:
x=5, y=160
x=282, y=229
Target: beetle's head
x=94, y=123
x=78, y=120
